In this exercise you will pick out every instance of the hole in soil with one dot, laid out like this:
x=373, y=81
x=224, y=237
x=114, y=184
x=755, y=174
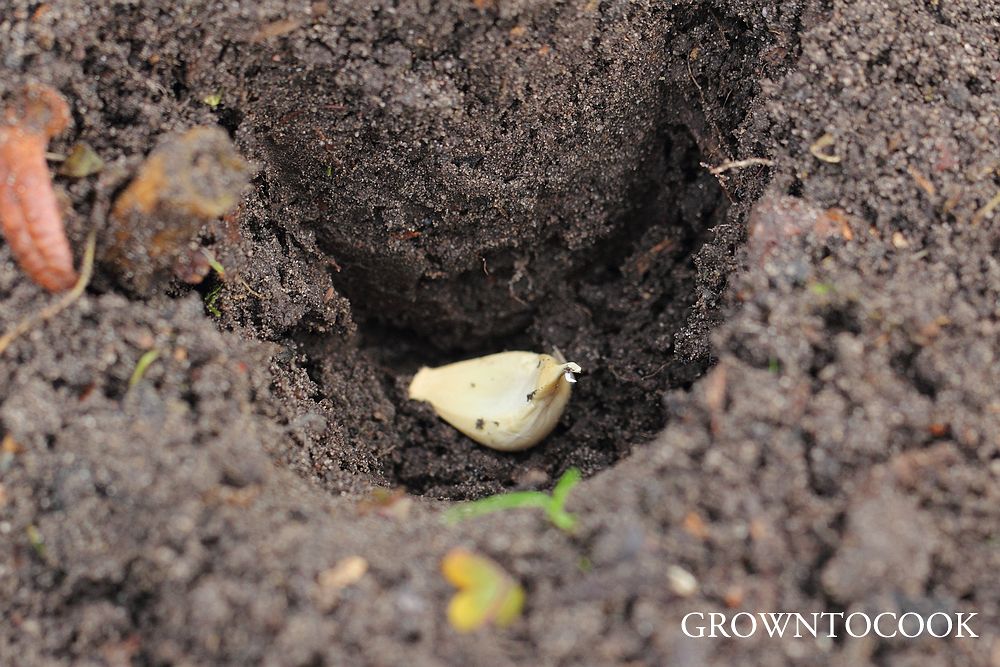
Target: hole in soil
x=624, y=314
x=447, y=246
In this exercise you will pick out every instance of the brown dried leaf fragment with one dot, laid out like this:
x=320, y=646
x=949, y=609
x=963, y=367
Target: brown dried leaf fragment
x=188, y=181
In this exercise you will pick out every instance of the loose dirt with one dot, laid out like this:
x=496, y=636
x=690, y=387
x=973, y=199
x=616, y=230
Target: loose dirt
x=790, y=364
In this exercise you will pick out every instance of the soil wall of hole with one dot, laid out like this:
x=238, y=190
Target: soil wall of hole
x=524, y=178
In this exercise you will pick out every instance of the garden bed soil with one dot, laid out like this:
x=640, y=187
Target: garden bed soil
x=789, y=397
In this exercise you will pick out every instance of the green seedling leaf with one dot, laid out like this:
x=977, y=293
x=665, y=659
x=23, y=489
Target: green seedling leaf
x=214, y=263
x=486, y=593
x=145, y=361
x=213, y=100
x=554, y=505
x=560, y=494
x=211, y=298
x=36, y=540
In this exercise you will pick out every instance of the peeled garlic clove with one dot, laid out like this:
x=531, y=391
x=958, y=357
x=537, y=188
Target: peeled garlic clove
x=507, y=401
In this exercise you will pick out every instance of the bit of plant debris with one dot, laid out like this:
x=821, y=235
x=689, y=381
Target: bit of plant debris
x=188, y=182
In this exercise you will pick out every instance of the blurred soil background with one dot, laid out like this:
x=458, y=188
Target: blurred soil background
x=768, y=231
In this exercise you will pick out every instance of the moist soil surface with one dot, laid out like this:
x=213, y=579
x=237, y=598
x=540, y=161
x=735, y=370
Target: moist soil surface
x=766, y=230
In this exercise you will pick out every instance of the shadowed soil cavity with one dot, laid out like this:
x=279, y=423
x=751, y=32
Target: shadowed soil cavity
x=624, y=315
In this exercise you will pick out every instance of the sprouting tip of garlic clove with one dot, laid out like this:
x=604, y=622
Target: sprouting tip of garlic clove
x=507, y=401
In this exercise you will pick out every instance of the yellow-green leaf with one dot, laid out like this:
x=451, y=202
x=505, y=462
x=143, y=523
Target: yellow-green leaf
x=486, y=593
x=81, y=162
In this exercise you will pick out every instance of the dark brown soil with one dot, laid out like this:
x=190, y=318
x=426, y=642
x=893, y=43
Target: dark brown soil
x=790, y=367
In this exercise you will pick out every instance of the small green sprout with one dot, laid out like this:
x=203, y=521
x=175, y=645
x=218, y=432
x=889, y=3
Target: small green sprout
x=773, y=365
x=554, y=504
x=820, y=289
x=145, y=361
x=211, y=298
x=36, y=540
x=213, y=100
x=214, y=263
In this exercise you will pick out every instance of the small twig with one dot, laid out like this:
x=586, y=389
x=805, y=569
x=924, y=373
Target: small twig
x=50, y=311
x=695, y=81
x=982, y=213
x=257, y=294
x=922, y=181
x=656, y=372
x=740, y=164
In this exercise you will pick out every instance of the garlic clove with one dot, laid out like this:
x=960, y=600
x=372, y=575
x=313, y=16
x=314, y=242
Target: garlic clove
x=507, y=401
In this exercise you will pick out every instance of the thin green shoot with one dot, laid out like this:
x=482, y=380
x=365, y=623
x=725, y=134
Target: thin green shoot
x=36, y=540
x=214, y=263
x=211, y=298
x=145, y=361
x=554, y=504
